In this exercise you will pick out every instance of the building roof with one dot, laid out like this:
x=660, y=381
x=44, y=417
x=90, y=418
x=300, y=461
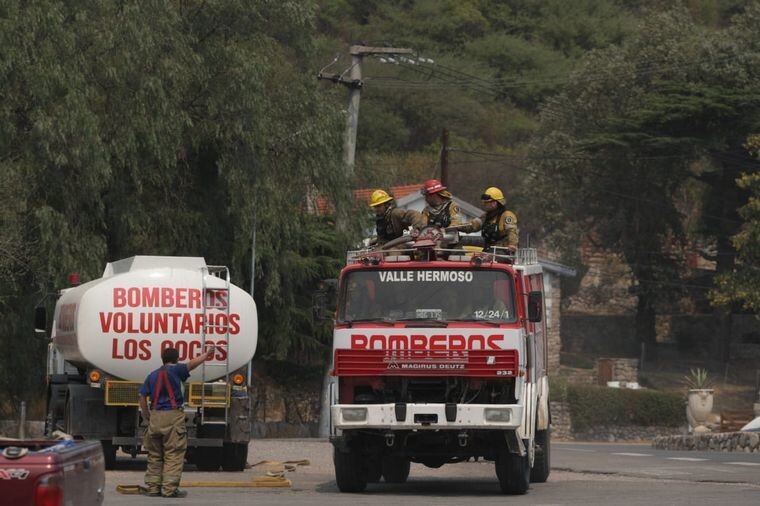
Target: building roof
x=557, y=268
x=322, y=206
x=398, y=192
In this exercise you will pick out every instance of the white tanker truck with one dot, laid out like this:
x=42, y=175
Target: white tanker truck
x=108, y=335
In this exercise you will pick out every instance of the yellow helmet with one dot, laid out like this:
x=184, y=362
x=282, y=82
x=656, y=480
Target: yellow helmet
x=494, y=193
x=379, y=197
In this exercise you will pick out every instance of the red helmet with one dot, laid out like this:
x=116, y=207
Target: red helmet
x=432, y=186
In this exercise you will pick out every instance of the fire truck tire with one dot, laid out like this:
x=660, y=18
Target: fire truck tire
x=513, y=472
x=542, y=461
x=396, y=469
x=350, y=471
x=109, y=454
x=374, y=470
x=208, y=458
x=235, y=457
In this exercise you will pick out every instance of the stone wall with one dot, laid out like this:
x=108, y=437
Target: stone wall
x=563, y=430
x=746, y=442
x=599, y=336
x=614, y=335
x=622, y=369
x=560, y=413
x=625, y=369
x=611, y=433
x=553, y=295
x=284, y=407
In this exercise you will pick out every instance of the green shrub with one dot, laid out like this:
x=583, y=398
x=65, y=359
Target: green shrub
x=577, y=360
x=557, y=388
x=592, y=406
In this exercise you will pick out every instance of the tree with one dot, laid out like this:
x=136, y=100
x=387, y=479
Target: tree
x=160, y=128
x=625, y=134
x=742, y=285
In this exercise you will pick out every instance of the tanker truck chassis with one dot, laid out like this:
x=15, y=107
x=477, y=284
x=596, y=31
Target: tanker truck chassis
x=108, y=335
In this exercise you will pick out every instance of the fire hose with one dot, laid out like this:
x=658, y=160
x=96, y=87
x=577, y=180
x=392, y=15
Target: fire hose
x=274, y=477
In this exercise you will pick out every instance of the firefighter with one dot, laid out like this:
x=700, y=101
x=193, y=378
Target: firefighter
x=390, y=220
x=166, y=436
x=441, y=210
x=498, y=225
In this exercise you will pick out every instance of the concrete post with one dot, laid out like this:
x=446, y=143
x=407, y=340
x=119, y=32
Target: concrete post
x=22, y=421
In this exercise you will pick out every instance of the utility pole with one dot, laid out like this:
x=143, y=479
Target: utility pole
x=354, y=84
x=445, y=157
x=354, y=94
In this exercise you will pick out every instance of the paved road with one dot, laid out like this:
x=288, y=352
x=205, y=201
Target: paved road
x=644, y=461
x=583, y=474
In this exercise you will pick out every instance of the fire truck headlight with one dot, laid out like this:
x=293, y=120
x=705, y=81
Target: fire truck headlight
x=354, y=414
x=502, y=415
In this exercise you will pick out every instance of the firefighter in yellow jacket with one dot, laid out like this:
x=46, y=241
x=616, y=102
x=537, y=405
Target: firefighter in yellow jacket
x=441, y=210
x=498, y=225
x=390, y=220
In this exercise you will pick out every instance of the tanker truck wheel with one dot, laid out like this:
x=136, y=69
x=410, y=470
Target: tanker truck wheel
x=235, y=457
x=350, y=471
x=208, y=458
x=396, y=469
x=513, y=472
x=109, y=453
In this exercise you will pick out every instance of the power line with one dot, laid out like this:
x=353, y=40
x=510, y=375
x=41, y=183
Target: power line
x=470, y=84
x=565, y=157
x=491, y=86
x=645, y=66
x=608, y=191
x=594, y=172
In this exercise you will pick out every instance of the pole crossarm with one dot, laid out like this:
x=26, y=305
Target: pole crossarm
x=370, y=50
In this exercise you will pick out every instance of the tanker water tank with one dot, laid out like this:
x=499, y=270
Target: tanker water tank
x=120, y=323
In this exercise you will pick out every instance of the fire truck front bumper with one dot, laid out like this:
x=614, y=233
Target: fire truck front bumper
x=403, y=416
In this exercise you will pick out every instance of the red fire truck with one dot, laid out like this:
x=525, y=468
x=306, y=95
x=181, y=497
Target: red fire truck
x=439, y=357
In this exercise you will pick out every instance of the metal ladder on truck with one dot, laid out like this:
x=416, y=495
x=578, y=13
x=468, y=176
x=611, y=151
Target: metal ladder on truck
x=216, y=301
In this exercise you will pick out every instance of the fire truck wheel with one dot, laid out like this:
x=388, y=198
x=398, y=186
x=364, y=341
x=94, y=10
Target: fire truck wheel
x=542, y=462
x=208, y=458
x=109, y=454
x=235, y=457
x=374, y=469
x=513, y=472
x=350, y=471
x=395, y=469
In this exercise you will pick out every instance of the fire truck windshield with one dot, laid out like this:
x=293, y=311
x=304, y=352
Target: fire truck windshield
x=434, y=294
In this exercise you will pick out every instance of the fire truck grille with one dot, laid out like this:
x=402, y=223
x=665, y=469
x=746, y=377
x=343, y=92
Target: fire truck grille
x=122, y=393
x=471, y=363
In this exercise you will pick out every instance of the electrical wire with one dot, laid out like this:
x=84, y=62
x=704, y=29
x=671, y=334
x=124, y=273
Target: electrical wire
x=610, y=192
x=593, y=172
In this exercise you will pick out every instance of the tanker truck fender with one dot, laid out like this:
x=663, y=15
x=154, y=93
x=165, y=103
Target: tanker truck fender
x=240, y=419
x=86, y=415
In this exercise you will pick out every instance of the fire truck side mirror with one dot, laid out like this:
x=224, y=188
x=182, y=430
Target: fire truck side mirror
x=40, y=320
x=535, y=303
